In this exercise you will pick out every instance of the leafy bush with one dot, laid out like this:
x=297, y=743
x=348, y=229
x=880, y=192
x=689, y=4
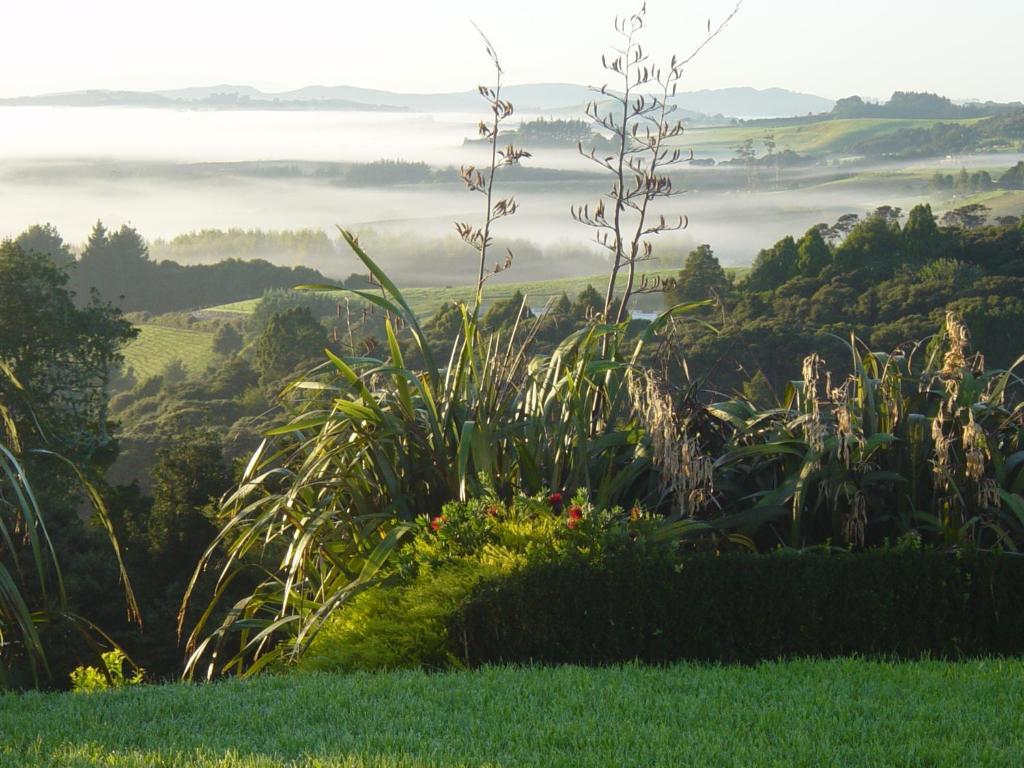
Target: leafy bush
x=404, y=623
x=375, y=444
x=92, y=679
x=630, y=605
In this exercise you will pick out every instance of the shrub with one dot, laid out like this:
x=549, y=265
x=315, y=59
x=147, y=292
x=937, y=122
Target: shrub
x=745, y=608
x=92, y=679
x=404, y=623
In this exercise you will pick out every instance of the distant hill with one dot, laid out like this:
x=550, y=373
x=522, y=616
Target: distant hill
x=534, y=97
x=203, y=98
x=753, y=103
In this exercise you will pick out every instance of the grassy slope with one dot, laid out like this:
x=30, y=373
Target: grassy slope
x=815, y=138
x=803, y=713
x=157, y=345
x=426, y=300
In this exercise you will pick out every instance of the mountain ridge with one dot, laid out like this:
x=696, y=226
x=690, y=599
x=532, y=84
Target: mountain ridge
x=740, y=101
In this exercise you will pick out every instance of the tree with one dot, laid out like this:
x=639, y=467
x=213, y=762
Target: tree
x=174, y=372
x=1013, y=178
x=227, y=341
x=187, y=478
x=503, y=314
x=701, y=277
x=116, y=264
x=922, y=239
x=970, y=216
x=588, y=303
x=812, y=253
x=874, y=247
x=44, y=239
x=290, y=338
x=773, y=266
x=62, y=354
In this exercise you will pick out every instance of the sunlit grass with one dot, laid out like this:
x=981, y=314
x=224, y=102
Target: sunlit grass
x=157, y=345
x=824, y=136
x=802, y=713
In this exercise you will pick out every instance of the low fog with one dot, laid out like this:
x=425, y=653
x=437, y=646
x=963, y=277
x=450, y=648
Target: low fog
x=170, y=172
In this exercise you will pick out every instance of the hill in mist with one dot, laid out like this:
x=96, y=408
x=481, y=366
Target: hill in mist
x=535, y=97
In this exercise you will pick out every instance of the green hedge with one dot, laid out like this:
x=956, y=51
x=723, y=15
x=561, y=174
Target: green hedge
x=746, y=608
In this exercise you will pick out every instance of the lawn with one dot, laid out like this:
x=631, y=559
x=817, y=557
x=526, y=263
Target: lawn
x=157, y=345
x=801, y=713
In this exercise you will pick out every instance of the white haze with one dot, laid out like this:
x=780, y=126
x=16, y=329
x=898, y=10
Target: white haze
x=72, y=166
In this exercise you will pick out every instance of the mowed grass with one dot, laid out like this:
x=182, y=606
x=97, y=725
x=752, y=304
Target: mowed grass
x=800, y=713
x=813, y=138
x=157, y=345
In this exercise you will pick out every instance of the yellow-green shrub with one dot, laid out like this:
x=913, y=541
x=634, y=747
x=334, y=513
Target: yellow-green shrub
x=404, y=623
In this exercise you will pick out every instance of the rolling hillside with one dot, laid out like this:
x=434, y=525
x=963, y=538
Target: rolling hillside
x=158, y=345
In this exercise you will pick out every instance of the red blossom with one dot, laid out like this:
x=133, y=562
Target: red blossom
x=575, y=513
x=437, y=522
x=491, y=511
x=555, y=499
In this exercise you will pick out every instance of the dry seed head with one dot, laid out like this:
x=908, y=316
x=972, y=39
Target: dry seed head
x=975, y=448
x=856, y=520
x=943, y=448
x=959, y=343
x=988, y=493
x=684, y=468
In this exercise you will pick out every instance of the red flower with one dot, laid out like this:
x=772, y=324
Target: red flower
x=555, y=499
x=575, y=515
x=491, y=511
x=437, y=522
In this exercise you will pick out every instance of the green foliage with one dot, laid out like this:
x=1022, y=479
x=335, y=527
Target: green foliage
x=374, y=445
x=742, y=608
x=503, y=315
x=404, y=623
x=118, y=265
x=812, y=253
x=187, y=479
x=61, y=354
x=773, y=266
x=174, y=372
x=34, y=604
x=45, y=240
x=950, y=272
x=227, y=341
x=274, y=302
x=701, y=277
x=1013, y=178
x=92, y=679
x=291, y=338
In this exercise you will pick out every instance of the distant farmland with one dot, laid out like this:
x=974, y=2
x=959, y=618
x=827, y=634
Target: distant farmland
x=426, y=301
x=158, y=345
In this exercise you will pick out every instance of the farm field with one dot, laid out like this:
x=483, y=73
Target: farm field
x=425, y=301
x=158, y=345
x=799, y=713
x=827, y=136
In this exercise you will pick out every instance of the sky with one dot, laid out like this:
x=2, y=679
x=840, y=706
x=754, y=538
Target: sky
x=832, y=48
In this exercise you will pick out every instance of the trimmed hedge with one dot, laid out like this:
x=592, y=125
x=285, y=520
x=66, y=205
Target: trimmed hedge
x=746, y=608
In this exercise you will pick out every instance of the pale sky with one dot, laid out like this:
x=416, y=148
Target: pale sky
x=831, y=48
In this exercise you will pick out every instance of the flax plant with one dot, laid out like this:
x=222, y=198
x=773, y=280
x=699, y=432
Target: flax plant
x=30, y=569
x=921, y=443
x=638, y=114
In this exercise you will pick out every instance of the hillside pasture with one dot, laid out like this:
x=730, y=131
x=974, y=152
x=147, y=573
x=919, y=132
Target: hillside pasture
x=157, y=345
